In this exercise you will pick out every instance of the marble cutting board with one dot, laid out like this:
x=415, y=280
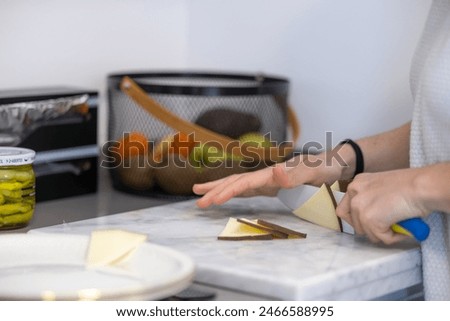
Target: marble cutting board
x=327, y=265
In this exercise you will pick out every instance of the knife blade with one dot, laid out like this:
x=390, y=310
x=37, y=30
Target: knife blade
x=295, y=197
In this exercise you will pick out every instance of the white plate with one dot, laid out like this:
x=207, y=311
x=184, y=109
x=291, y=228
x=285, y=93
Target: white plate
x=52, y=267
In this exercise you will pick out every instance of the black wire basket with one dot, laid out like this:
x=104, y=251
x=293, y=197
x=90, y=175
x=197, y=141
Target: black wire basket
x=231, y=105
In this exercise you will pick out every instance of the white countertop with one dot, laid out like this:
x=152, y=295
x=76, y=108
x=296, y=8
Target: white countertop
x=327, y=265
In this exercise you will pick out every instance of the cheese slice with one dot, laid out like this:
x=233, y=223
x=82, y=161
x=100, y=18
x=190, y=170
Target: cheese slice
x=109, y=247
x=320, y=209
x=235, y=231
x=290, y=233
x=255, y=224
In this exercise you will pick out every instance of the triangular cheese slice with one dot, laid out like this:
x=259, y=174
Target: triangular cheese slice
x=236, y=231
x=109, y=247
x=255, y=224
x=320, y=209
x=291, y=233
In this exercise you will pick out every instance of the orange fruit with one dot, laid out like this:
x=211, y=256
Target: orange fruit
x=179, y=143
x=182, y=144
x=133, y=144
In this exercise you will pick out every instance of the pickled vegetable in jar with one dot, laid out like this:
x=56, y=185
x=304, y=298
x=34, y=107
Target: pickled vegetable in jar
x=17, y=187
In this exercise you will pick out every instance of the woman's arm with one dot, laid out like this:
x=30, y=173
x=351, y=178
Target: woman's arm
x=386, y=151
x=433, y=187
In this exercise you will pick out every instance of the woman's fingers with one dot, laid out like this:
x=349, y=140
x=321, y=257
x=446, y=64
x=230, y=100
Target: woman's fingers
x=343, y=209
x=369, y=209
x=386, y=236
x=247, y=184
x=390, y=237
x=211, y=189
x=201, y=189
x=265, y=182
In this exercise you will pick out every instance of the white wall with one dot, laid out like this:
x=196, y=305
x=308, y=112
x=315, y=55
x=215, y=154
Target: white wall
x=79, y=42
x=347, y=60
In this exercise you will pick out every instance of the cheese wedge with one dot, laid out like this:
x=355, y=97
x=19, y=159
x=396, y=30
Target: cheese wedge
x=235, y=231
x=109, y=247
x=320, y=209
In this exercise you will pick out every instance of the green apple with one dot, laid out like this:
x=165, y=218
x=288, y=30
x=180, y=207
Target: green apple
x=196, y=156
x=255, y=139
x=207, y=155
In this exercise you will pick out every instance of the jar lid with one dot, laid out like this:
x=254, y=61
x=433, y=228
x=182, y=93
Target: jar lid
x=13, y=156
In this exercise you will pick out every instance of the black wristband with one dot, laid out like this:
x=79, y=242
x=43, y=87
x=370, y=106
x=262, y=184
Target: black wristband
x=359, y=166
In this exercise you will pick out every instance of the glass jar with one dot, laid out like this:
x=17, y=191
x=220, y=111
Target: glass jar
x=17, y=187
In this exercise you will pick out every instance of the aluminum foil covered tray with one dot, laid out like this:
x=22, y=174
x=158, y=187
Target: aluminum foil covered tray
x=18, y=120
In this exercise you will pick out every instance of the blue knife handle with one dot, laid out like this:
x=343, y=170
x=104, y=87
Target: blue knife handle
x=417, y=227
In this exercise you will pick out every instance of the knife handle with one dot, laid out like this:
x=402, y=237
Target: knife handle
x=413, y=227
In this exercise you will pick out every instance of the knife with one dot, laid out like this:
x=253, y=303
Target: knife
x=295, y=197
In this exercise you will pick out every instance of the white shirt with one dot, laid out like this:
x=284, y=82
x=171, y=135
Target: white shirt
x=430, y=137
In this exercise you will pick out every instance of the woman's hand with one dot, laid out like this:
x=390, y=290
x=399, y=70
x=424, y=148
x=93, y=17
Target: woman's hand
x=299, y=170
x=376, y=201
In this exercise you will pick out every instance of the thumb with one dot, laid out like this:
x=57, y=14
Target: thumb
x=286, y=178
x=280, y=176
